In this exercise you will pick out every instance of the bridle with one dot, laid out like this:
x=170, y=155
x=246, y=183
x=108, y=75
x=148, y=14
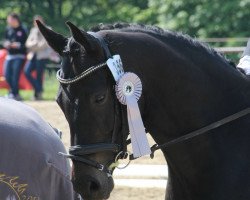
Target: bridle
x=78, y=152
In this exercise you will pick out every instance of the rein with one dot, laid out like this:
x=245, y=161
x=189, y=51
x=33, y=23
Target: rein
x=77, y=152
x=201, y=131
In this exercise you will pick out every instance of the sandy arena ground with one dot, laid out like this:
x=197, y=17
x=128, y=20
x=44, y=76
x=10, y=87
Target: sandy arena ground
x=52, y=113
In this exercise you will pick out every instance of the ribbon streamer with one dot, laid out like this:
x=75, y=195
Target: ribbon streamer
x=128, y=92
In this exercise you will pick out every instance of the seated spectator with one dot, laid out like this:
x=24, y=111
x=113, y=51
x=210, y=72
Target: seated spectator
x=38, y=54
x=15, y=38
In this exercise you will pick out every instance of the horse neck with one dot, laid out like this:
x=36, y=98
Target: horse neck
x=184, y=88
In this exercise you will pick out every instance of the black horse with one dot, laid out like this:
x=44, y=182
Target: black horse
x=186, y=86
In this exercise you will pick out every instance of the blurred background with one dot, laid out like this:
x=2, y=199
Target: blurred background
x=223, y=24
x=198, y=18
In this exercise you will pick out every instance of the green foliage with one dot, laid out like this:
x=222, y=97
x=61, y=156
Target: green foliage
x=200, y=18
x=205, y=18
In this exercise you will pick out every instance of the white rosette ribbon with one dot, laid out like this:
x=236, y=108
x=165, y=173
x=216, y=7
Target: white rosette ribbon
x=128, y=92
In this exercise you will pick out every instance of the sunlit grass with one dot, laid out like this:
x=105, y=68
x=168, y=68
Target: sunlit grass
x=50, y=89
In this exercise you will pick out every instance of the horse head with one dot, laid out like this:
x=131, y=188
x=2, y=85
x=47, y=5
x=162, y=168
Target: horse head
x=91, y=109
x=187, y=88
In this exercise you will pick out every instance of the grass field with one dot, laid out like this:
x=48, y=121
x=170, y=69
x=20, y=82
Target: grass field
x=50, y=88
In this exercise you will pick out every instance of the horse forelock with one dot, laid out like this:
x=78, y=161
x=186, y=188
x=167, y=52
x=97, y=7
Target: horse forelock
x=71, y=51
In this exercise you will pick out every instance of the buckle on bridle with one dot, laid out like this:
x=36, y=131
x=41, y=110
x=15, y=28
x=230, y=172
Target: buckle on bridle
x=101, y=167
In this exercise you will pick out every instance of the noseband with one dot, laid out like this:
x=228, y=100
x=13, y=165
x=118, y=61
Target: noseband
x=78, y=152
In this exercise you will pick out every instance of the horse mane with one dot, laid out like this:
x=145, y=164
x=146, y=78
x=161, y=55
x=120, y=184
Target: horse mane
x=159, y=32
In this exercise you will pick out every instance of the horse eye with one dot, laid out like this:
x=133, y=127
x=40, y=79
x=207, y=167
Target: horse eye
x=100, y=99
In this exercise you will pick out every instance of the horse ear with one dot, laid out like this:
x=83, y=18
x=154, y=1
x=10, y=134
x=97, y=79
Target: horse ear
x=89, y=42
x=55, y=40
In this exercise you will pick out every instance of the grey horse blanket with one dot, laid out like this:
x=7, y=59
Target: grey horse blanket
x=30, y=167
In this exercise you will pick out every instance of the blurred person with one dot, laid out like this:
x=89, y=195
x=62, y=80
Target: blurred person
x=31, y=167
x=15, y=38
x=38, y=54
x=244, y=64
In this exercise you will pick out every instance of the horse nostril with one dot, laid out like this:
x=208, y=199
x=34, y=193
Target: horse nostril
x=92, y=188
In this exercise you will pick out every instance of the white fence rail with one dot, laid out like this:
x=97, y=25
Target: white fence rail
x=228, y=50
x=142, y=176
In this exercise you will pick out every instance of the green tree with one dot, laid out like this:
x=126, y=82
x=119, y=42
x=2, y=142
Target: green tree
x=85, y=13
x=205, y=18
x=199, y=18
